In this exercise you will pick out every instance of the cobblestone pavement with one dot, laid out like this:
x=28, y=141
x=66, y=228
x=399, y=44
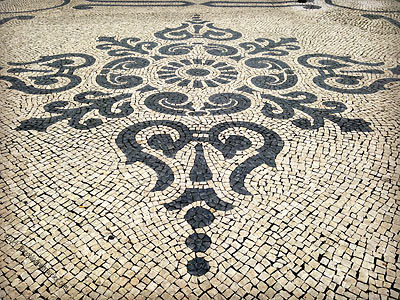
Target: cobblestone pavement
x=198, y=149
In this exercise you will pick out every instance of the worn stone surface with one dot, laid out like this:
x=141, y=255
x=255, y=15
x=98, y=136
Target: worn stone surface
x=199, y=149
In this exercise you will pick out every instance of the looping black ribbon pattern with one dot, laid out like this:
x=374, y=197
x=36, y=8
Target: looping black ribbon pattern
x=187, y=71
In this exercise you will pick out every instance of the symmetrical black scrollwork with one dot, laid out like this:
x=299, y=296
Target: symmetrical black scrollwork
x=335, y=74
x=196, y=28
x=265, y=154
x=299, y=100
x=57, y=73
x=98, y=101
x=189, y=61
x=116, y=74
x=179, y=104
x=199, y=217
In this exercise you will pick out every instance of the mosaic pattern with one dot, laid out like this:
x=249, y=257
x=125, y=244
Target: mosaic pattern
x=33, y=6
x=377, y=17
x=200, y=160
x=360, y=6
x=5, y=20
x=100, y=3
x=198, y=73
x=122, y=74
x=237, y=4
x=259, y=4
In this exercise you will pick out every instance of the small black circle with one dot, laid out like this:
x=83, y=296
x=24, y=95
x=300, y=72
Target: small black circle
x=197, y=72
x=198, y=242
x=199, y=217
x=198, y=266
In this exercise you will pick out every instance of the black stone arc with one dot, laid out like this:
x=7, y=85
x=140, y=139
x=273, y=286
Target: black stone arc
x=133, y=151
x=5, y=20
x=303, y=3
x=180, y=3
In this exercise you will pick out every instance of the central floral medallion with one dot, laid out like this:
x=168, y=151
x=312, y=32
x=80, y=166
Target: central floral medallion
x=198, y=73
x=190, y=72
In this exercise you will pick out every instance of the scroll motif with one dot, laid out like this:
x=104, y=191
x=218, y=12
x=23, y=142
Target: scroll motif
x=179, y=104
x=126, y=46
x=280, y=48
x=299, y=100
x=280, y=75
x=196, y=28
x=49, y=74
x=93, y=100
x=265, y=154
x=337, y=74
x=116, y=74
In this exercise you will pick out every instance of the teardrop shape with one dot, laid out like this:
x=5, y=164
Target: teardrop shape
x=200, y=171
